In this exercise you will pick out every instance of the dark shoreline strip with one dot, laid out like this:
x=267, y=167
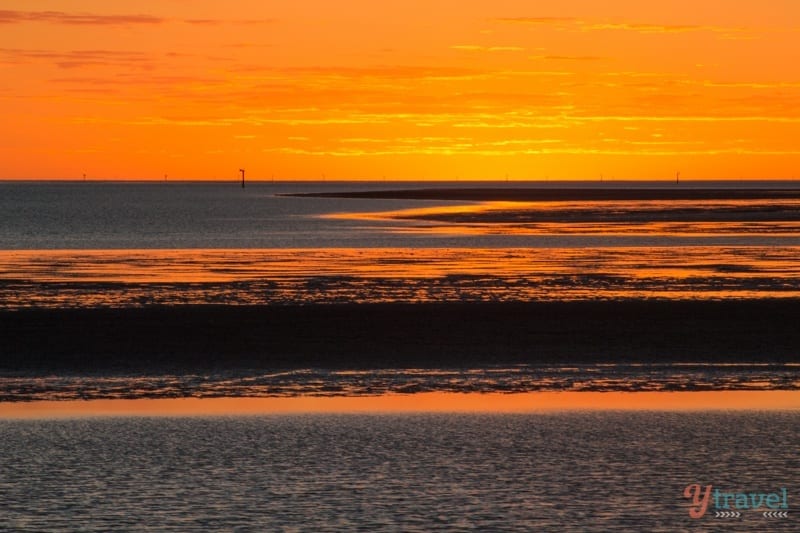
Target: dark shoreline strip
x=531, y=194
x=208, y=338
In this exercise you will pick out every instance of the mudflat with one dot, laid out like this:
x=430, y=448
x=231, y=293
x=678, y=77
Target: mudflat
x=531, y=194
x=185, y=338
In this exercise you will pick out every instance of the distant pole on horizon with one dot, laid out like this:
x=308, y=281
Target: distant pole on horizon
x=84, y=176
x=678, y=177
x=242, y=171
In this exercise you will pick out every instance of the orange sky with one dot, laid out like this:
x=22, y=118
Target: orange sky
x=407, y=89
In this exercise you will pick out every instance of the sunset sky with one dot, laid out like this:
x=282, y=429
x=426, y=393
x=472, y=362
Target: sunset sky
x=411, y=89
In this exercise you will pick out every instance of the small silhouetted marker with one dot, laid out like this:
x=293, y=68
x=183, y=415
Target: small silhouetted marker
x=242, y=171
x=677, y=177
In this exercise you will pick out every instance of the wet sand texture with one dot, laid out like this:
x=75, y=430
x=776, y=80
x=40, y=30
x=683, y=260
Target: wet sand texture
x=532, y=194
x=195, y=338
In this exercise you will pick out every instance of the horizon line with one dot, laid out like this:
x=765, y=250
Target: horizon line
x=396, y=180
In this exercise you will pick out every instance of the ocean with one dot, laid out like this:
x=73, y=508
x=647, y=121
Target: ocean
x=607, y=471
x=58, y=215
x=607, y=465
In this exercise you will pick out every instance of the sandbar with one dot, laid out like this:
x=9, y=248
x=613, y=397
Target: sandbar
x=533, y=194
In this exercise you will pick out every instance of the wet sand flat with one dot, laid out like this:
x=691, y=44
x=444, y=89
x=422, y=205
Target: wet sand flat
x=162, y=278
x=212, y=338
x=733, y=210
x=533, y=194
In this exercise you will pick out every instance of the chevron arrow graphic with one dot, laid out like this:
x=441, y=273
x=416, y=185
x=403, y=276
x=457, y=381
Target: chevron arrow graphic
x=776, y=514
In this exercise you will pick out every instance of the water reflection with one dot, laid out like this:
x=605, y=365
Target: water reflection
x=126, y=278
x=673, y=218
x=409, y=403
x=604, y=217
x=744, y=220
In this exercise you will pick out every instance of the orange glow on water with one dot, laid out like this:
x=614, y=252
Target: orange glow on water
x=649, y=217
x=535, y=402
x=115, y=278
x=358, y=89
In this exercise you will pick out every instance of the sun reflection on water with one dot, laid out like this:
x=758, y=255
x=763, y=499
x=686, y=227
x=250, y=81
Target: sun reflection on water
x=414, y=403
x=124, y=278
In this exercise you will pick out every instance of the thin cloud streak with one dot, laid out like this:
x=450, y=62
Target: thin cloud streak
x=538, y=21
x=94, y=19
x=480, y=48
x=470, y=150
x=576, y=24
x=79, y=19
x=75, y=58
x=219, y=22
x=569, y=58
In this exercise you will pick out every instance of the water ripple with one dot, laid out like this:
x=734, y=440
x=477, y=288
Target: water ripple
x=605, y=471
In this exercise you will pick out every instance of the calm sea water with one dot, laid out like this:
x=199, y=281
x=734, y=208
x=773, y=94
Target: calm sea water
x=606, y=471
x=76, y=215
x=111, y=216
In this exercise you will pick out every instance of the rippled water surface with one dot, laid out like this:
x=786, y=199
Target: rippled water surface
x=605, y=471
